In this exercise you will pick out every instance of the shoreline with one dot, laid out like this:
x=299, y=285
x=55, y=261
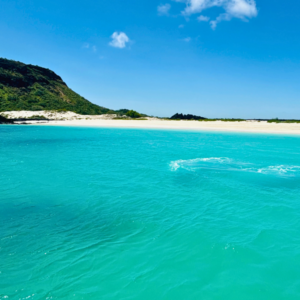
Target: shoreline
x=243, y=126
x=55, y=118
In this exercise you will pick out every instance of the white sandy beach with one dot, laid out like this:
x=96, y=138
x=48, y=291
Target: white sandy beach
x=72, y=119
x=248, y=126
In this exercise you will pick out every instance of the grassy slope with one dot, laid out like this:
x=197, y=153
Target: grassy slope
x=28, y=87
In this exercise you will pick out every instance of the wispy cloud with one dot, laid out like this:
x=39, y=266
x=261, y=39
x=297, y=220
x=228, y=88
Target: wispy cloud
x=236, y=8
x=89, y=47
x=163, y=9
x=119, y=40
x=241, y=9
x=187, y=40
x=203, y=18
x=220, y=18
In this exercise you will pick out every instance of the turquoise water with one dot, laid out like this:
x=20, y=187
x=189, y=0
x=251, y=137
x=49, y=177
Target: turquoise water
x=99, y=213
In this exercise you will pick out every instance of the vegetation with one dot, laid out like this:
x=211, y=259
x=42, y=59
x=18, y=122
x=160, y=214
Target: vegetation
x=122, y=112
x=37, y=117
x=224, y=120
x=193, y=117
x=128, y=119
x=283, y=121
x=3, y=120
x=178, y=117
x=186, y=117
x=28, y=87
x=133, y=114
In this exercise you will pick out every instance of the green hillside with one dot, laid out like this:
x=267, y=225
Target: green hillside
x=28, y=87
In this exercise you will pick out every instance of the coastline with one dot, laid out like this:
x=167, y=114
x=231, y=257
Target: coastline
x=55, y=118
x=244, y=126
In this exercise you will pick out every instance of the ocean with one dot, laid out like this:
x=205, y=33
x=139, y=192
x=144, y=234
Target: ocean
x=111, y=213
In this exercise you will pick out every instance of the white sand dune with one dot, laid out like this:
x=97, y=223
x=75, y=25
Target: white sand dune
x=69, y=115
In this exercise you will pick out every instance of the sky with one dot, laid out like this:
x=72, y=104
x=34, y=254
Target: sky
x=213, y=58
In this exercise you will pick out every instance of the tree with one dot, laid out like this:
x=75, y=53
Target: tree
x=133, y=114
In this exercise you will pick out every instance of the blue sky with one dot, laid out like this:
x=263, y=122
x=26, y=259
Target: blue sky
x=215, y=58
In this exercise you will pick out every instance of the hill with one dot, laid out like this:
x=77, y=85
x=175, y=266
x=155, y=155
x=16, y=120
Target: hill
x=28, y=87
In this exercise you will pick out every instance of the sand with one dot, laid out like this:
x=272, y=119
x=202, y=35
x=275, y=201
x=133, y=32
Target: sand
x=72, y=119
x=248, y=126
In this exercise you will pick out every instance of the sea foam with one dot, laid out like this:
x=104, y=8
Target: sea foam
x=189, y=164
x=227, y=164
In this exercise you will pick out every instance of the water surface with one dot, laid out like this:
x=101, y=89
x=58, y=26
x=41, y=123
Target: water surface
x=99, y=213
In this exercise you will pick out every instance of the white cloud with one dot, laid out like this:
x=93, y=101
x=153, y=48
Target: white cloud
x=94, y=48
x=119, y=40
x=242, y=9
x=181, y=26
x=221, y=17
x=188, y=39
x=203, y=18
x=163, y=9
x=213, y=24
x=86, y=45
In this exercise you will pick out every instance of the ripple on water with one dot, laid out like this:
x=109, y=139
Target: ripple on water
x=91, y=213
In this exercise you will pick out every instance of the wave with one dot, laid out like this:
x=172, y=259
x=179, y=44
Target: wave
x=281, y=169
x=190, y=163
x=227, y=164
